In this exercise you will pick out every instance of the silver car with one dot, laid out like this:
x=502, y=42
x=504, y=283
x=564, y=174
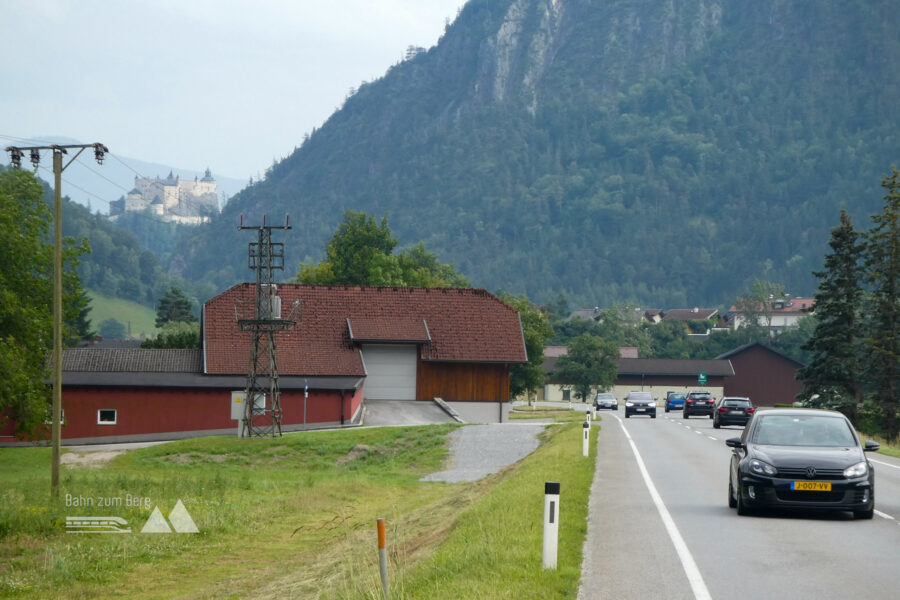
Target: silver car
x=606, y=400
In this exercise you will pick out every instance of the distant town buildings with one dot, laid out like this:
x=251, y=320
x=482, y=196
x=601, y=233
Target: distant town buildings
x=172, y=199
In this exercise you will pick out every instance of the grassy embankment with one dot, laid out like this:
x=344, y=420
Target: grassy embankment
x=295, y=517
x=139, y=321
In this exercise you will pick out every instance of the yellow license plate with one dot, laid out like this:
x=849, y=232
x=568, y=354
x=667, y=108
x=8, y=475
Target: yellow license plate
x=811, y=486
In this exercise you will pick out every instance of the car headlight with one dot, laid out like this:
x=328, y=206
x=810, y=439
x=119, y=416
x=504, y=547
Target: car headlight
x=629, y=404
x=857, y=470
x=761, y=468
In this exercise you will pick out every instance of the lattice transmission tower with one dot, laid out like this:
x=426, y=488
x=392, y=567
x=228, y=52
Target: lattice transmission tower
x=262, y=317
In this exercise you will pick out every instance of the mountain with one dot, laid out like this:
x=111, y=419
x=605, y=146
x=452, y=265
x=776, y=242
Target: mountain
x=658, y=151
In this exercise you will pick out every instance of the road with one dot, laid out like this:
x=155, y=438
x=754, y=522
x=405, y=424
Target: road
x=688, y=544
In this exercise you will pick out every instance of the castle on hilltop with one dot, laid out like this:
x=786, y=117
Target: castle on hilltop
x=172, y=198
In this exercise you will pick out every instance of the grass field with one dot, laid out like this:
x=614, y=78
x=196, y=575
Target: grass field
x=293, y=517
x=139, y=320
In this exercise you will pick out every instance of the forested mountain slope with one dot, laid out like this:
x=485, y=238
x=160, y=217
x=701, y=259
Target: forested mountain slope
x=660, y=151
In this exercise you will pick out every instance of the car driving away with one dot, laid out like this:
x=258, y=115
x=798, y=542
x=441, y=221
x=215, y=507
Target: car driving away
x=732, y=410
x=699, y=403
x=801, y=459
x=606, y=400
x=640, y=403
x=674, y=401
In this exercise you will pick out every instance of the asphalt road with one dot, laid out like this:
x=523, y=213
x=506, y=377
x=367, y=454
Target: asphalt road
x=689, y=544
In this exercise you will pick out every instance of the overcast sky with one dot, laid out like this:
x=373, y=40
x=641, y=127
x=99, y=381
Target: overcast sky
x=229, y=84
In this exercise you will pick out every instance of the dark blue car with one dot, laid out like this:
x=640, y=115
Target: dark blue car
x=674, y=401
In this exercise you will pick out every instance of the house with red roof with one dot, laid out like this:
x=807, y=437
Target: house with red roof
x=349, y=344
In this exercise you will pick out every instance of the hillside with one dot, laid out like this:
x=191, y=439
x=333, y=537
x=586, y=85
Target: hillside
x=611, y=150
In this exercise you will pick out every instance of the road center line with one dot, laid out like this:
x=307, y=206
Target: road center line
x=687, y=560
x=712, y=438
x=884, y=515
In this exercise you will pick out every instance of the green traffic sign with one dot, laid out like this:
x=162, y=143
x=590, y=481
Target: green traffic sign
x=701, y=378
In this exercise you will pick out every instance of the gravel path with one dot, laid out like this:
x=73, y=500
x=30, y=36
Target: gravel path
x=477, y=451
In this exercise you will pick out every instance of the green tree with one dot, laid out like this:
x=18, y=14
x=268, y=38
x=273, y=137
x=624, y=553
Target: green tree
x=536, y=329
x=360, y=253
x=26, y=282
x=175, y=334
x=831, y=378
x=111, y=329
x=882, y=263
x=755, y=306
x=174, y=306
x=591, y=365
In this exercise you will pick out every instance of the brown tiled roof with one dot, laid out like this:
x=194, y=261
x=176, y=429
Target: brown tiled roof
x=393, y=330
x=464, y=325
x=688, y=314
x=131, y=360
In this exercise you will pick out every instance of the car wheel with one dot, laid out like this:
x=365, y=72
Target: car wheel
x=653, y=416
x=731, y=501
x=864, y=514
x=667, y=409
x=742, y=508
x=615, y=408
x=710, y=415
x=685, y=416
x=716, y=424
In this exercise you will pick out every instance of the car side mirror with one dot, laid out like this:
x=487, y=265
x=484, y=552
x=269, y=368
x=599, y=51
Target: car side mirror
x=871, y=446
x=734, y=443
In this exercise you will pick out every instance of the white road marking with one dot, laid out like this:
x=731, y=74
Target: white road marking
x=687, y=560
x=884, y=515
x=699, y=432
x=713, y=438
x=880, y=462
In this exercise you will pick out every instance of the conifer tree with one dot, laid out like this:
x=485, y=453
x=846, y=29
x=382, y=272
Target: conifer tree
x=831, y=379
x=883, y=274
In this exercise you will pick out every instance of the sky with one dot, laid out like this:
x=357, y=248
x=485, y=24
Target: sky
x=232, y=85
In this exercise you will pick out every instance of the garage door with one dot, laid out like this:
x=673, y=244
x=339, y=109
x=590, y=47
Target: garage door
x=391, y=372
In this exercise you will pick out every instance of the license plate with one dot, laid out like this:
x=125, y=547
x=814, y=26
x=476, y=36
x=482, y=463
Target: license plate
x=811, y=486
x=738, y=412
x=641, y=409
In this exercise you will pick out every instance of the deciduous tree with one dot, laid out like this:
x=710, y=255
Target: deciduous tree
x=591, y=365
x=536, y=330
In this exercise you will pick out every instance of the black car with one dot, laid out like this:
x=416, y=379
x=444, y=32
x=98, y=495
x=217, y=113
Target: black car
x=640, y=403
x=801, y=459
x=699, y=403
x=732, y=410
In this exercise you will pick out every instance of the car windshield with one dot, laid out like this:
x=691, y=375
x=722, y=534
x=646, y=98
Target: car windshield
x=700, y=396
x=605, y=397
x=795, y=430
x=676, y=396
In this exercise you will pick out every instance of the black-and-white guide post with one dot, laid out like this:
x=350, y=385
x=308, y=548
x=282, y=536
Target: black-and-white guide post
x=585, y=437
x=551, y=524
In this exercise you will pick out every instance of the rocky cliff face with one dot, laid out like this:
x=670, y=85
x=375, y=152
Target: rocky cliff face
x=548, y=146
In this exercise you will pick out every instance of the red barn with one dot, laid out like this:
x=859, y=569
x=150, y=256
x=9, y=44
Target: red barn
x=349, y=344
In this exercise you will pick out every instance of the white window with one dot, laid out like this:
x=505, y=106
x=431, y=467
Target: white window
x=106, y=416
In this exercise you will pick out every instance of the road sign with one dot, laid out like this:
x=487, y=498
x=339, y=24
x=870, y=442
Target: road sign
x=701, y=378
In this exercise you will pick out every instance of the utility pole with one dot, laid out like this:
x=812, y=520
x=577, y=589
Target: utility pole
x=16, y=153
x=264, y=319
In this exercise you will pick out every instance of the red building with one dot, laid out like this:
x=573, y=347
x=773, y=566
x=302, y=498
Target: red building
x=349, y=344
x=762, y=374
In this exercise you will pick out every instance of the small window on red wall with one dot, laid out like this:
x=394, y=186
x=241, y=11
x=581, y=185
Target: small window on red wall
x=106, y=416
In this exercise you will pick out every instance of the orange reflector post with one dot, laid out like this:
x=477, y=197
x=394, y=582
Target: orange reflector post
x=381, y=535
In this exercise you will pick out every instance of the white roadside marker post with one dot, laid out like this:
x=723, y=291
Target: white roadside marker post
x=382, y=559
x=551, y=524
x=586, y=428
x=587, y=416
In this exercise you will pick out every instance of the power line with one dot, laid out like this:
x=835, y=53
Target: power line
x=98, y=174
x=129, y=166
x=81, y=189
